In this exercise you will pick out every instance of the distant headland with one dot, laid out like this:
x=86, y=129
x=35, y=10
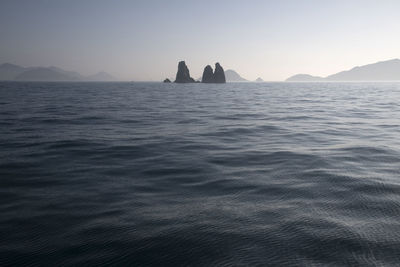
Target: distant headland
x=388, y=70
x=11, y=72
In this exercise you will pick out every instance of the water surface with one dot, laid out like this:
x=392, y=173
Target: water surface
x=234, y=174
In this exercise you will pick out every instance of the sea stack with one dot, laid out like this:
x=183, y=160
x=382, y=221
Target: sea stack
x=208, y=75
x=167, y=80
x=183, y=75
x=217, y=77
x=219, y=74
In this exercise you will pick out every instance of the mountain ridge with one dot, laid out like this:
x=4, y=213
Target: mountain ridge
x=12, y=72
x=388, y=70
x=233, y=76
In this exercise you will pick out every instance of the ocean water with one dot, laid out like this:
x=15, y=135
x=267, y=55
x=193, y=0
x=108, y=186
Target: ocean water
x=139, y=174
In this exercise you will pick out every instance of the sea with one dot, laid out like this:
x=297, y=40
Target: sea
x=236, y=174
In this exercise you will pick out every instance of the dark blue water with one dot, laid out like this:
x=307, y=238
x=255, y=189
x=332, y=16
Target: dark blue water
x=163, y=174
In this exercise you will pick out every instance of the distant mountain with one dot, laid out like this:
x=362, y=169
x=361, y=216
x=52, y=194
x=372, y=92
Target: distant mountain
x=259, y=80
x=11, y=72
x=44, y=74
x=304, y=78
x=72, y=74
x=101, y=77
x=233, y=76
x=381, y=71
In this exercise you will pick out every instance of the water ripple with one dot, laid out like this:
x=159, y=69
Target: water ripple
x=281, y=174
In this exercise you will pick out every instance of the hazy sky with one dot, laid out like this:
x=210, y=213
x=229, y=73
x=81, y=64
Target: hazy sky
x=144, y=40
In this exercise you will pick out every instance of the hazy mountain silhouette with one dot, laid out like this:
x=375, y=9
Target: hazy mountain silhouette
x=304, y=78
x=44, y=74
x=11, y=72
x=381, y=71
x=259, y=80
x=71, y=74
x=100, y=77
x=233, y=76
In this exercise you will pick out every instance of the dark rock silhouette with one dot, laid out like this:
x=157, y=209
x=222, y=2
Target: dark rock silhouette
x=183, y=75
x=219, y=74
x=259, y=80
x=167, y=80
x=217, y=77
x=208, y=75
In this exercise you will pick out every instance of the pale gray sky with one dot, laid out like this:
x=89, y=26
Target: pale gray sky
x=144, y=40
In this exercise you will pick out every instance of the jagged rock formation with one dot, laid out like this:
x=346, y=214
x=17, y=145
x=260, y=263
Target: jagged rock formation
x=208, y=75
x=167, y=80
x=219, y=74
x=183, y=75
x=217, y=77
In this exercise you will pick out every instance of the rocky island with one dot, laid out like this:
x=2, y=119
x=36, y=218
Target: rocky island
x=183, y=75
x=218, y=76
x=209, y=76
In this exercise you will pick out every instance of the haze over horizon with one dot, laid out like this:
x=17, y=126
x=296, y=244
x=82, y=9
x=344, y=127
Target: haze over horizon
x=144, y=40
